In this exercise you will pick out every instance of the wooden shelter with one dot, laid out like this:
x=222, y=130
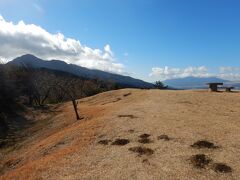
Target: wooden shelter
x=228, y=89
x=214, y=86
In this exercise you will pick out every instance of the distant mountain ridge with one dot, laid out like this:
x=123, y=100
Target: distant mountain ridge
x=198, y=82
x=35, y=62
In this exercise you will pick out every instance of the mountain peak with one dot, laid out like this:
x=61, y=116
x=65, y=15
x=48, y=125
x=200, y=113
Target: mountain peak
x=28, y=57
x=35, y=62
x=27, y=60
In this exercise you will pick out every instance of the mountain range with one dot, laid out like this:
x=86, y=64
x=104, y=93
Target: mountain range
x=198, y=82
x=35, y=62
x=123, y=81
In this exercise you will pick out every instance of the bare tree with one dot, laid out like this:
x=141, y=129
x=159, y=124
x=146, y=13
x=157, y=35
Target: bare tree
x=43, y=83
x=71, y=87
x=8, y=102
x=41, y=86
x=34, y=84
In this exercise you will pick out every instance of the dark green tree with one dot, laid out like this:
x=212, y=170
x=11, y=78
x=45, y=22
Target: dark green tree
x=160, y=85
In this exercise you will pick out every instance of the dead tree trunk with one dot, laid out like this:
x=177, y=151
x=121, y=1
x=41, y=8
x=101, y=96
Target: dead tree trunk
x=71, y=95
x=75, y=108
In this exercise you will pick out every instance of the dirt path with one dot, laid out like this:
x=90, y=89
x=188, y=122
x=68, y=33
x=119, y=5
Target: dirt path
x=169, y=122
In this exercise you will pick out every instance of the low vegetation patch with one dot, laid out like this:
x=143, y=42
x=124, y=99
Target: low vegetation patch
x=60, y=143
x=131, y=131
x=144, y=141
x=12, y=163
x=120, y=142
x=101, y=136
x=104, y=142
x=144, y=135
x=146, y=161
x=128, y=94
x=222, y=168
x=204, y=144
x=164, y=137
x=200, y=160
x=127, y=116
x=144, y=138
x=141, y=150
x=116, y=100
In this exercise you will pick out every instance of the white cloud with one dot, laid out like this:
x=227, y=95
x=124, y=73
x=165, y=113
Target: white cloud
x=163, y=73
x=231, y=73
x=3, y=60
x=171, y=73
x=229, y=69
x=107, y=49
x=18, y=39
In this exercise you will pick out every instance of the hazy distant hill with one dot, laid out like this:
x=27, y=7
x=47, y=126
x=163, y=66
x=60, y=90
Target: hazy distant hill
x=194, y=82
x=35, y=62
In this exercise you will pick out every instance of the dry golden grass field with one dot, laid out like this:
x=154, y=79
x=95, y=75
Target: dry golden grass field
x=132, y=134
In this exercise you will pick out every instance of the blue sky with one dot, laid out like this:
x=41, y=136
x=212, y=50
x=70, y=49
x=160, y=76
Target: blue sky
x=175, y=37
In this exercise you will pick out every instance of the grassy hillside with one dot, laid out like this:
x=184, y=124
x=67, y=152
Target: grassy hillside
x=27, y=89
x=132, y=134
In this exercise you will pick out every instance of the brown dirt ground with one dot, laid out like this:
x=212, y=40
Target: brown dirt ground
x=59, y=147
